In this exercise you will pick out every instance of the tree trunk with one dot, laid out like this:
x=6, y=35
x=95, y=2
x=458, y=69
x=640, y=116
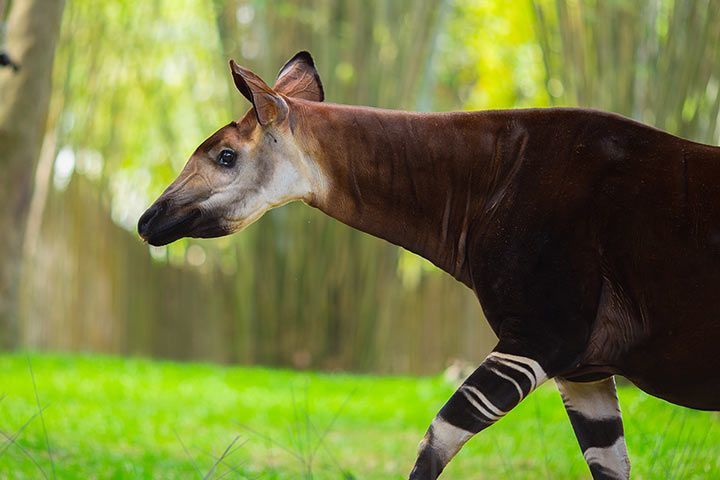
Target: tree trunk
x=32, y=33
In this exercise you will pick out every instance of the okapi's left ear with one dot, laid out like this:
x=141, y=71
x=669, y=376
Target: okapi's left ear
x=298, y=78
x=269, y=106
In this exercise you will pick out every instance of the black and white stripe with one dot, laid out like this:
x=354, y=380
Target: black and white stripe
x=492, y=390
x=595, y=415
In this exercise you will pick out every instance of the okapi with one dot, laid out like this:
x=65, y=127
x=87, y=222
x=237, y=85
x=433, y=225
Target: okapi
x=591, y=241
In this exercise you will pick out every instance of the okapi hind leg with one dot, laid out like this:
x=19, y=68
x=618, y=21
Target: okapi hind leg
x=594, y=413
x=492, y=390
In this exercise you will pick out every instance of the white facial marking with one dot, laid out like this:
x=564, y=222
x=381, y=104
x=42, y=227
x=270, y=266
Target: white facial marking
x=447, y=439
x=293, y=176
x=613, y=458
x=594, y=400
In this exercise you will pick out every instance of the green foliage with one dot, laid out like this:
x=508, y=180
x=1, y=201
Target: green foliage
x=138, y=84
x=137, y=87
x=490, y=57
x=655, y=61
x=117, y=418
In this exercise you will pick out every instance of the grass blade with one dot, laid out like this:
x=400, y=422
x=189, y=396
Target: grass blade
x=187, y=452
x=222, y=457
x=11, y=440
x=42, y=417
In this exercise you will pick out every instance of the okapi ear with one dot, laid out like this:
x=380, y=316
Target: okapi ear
x=269, y=106
x=298, y=78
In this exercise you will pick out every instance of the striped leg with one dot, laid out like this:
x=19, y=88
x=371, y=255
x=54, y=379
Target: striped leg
x=595, y=416
x=492, y=390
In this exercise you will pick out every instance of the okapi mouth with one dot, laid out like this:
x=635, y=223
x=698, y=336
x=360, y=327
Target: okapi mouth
x=157, y=230
x=209, y=230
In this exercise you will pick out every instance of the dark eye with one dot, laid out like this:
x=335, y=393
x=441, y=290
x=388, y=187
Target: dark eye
x=227, y=158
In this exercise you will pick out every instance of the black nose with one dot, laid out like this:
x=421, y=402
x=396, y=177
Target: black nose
x=147, y=218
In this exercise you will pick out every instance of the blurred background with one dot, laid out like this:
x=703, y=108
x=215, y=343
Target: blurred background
x=111, y=98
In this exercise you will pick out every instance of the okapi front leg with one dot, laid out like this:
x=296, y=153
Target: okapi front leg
x=594, y=412
x=492, y=390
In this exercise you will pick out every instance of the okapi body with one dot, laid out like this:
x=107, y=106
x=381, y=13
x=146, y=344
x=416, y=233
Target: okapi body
x=591, y=241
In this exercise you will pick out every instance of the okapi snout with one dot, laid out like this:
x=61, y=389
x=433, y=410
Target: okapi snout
x=162, y=224
x=147, y=218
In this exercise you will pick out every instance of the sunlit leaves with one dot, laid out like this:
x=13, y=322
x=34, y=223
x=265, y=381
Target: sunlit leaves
x=140, y=82
x=654, y=60
x=489, y=57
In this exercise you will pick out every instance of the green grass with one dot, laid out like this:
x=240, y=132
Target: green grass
x=118, y=418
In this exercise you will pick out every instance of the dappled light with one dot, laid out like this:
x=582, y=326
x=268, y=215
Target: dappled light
x=322, y=339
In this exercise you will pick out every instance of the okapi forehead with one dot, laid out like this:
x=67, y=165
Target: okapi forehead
x=232, y=133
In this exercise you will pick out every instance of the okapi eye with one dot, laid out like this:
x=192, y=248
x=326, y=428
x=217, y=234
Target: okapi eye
x=227, y=158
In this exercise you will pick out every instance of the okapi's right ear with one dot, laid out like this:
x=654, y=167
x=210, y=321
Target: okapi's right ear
x=298, y=78
x=269, y=106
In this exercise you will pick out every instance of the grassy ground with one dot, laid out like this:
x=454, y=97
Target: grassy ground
x=116, y=418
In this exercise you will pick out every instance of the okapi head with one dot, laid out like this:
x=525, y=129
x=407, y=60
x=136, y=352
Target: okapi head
x=245, y=168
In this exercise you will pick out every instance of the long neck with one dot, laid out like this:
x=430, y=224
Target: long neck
x=415, y=180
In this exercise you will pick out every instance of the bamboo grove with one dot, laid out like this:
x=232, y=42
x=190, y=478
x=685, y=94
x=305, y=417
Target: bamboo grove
x=137, y=84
